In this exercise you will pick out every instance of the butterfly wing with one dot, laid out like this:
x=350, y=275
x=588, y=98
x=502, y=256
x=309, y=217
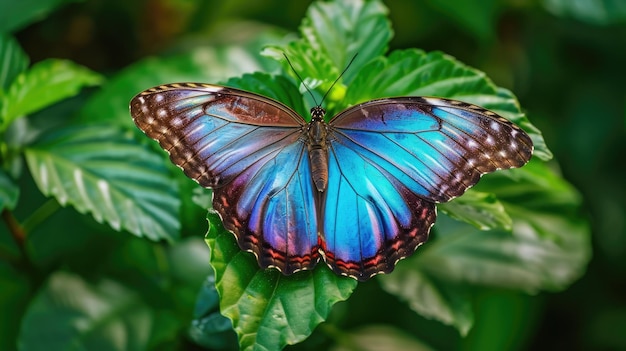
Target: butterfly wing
x=391, y=160
x=371, y=220
x=248, y=149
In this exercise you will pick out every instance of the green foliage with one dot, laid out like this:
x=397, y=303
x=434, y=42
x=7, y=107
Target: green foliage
x=269, y=310
x=42, y=85
x=379, y=337
x=9, y=192
x=14, y=60
x=106, y=313
x=100, y=170
x=118, y=269
x=476, y=16
x=209, y=327
x=17, y=14
x=602, y=12
x=482, y=210
x=72, y=313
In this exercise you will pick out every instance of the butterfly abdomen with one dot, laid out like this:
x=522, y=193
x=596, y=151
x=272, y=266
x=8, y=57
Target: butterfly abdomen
x=319, y=168
x=318, y=152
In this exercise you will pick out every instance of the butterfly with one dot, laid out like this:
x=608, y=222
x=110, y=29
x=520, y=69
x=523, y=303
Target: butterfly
x=357, y=192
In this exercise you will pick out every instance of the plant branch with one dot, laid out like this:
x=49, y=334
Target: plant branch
x=18, y=233
x=16, y=230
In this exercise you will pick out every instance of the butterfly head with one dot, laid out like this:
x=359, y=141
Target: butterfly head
x=317, y=113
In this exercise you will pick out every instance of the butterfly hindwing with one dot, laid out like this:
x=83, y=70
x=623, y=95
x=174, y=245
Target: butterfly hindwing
x=371, y=220
x=248, y=149
x=273, y=204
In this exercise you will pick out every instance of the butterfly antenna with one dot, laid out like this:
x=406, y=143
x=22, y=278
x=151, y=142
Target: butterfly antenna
x=329, y=89
x=341, y=75
x=301, y=80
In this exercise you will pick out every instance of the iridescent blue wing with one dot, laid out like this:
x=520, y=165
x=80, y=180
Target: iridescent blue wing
x=248, y=149
x=391, y=160
x=371, y=220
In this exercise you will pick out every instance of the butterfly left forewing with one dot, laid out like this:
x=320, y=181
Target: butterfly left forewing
x=208, y=129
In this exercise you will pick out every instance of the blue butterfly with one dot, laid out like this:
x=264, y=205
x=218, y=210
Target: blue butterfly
x=358, y=192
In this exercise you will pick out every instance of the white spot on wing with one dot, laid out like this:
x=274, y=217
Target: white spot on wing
x=188, y=156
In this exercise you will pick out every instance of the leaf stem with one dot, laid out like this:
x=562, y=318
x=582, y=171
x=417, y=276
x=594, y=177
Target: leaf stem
x=23, y=263
x=40, y=214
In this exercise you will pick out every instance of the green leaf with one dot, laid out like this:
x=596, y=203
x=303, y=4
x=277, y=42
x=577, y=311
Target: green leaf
x=548, y=248
x=482, y=210
x=15, y=15
x=314, y=67
x=430, y=297
x=209, y=64
x=13, y=58
x=341, y=29
x=416, y=73
x=9, y=192
x=269, y=310
x=72, y=314
x=209, y=328
x=377, y=338
x=44, y=84
x=332, y=33
x=599, y=12
x=101, y=170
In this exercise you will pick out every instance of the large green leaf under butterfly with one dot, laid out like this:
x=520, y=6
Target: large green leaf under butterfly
x=358, y=192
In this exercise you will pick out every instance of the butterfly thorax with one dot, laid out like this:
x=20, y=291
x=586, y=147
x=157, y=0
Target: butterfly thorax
x=318, y=150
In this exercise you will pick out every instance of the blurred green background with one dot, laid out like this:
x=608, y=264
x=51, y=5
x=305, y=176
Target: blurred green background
x=564, y=60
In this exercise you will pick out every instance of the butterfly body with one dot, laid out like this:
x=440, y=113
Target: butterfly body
x=358, y=192
x=317, y=133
